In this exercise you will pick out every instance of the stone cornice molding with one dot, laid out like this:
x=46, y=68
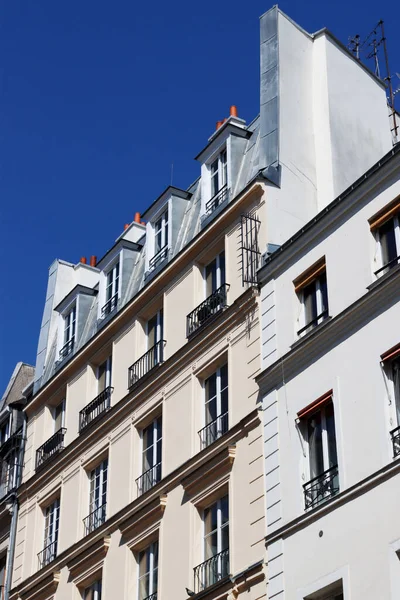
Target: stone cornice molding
x=144, y=523
x=89, y=561
x=38, y=588
x=209, y=475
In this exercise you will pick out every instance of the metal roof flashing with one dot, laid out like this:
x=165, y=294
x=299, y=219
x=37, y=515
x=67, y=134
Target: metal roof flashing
x=169, y=191
x=228, y=128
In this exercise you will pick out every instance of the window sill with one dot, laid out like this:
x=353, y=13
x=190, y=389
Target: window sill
x=205, y=220
x=150, y=274
x=311, y=333
x=391, y=273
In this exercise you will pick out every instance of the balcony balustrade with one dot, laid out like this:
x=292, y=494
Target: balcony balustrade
x=47, y=554
x=210, y=307
x=311, y=324
x=395, y=435
x=66, y=350
x=321, y=488
x=96, y=518
x=148, y=479
x=109, y=306
x=50, y=448
x=216, y=200
x=211, y=571
x=95, y=409
x=213, y=430
x=147, y=362
x=158, y=258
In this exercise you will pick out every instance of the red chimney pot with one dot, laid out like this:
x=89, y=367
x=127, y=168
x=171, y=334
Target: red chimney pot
x=126, y=226
x=233, y=111
x=93, y=261
x=83, y=260
x=137, y=217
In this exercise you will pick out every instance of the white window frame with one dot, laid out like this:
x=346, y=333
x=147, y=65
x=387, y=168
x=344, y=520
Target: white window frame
x=221, y=172
x=324, y=435
x=7, y=424
x=218, y=396
x=114, y=274
x=164, y=220
x=98, y=484
x=159, y=331
x=62, y=404
x=218, y=277
x=151, y=552
x=219, y=526
x=396, y=224
x=143, y=449
x=319, y=303
x=52, y=524
x=70, y=324
x=108, y=374
x=93, y=591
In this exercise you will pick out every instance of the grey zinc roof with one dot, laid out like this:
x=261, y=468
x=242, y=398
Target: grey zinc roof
x=247, y=166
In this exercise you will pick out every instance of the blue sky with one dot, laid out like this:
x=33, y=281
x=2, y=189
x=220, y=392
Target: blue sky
x=98, y=99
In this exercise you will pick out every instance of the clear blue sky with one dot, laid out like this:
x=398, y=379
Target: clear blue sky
x=97, y=100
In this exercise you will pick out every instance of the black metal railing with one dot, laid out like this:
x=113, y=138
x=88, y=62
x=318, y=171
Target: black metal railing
x=158, y=258
x=148, y=479
x=213, y=430
x=50, y=448
x=95, y=408
x=392, y=263
x=96, y=518
x=66, y=350
x=321, y=317
x=147, y=362
x=207, y=309
x=47, y=554
x=395, y=435
x=211, y=571
x=321, y=488
x=12, y=443
x=216, y=200
x=109, y=306
x=151, y=597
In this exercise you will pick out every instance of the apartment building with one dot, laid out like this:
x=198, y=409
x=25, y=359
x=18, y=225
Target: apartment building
x=331, y=390
x=144, y=472
x=15, y=397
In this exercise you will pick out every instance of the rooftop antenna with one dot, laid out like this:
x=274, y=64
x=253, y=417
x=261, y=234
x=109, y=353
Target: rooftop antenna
x=172, y=172
x=377, y=39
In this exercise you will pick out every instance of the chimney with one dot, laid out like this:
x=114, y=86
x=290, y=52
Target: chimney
x=137, y=217
x=93, y=261
x=126, y=226
x=83, y=260
x=233, y=111
x=218, y=125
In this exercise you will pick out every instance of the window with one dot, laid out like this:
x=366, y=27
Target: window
x=320, y=432
x=392, y=369
x=312, y=290
x=148, y=572
x=93, y=592
x=3, y=563
x=151, y=456
x=5, y=430
x=52, y=517
x=69, y=333
x=216, y=406
x=216, y=545
x=215, y=274
x=219, y=173
x=104, y=375
x=59, y=416
x=161, y=232
x=386, y=227
x=9, y=471
x=97, y=497
x=330, y=592
x=112, y=290
x=155, y=346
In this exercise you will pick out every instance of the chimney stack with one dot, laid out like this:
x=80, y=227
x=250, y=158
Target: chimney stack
x=137, y=217
x=83, y=260
x=233, y=111
x=93, y=261
x=126, y=226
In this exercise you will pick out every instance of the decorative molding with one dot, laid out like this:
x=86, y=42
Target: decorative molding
x=143, y=524
x=39, y=590
x=212, y=474
x=85, y=565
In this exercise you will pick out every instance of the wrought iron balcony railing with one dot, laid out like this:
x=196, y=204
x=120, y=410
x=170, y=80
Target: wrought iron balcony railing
x=211, y=306
x=109, y=306
x=395, y=435
x=147, y=362
x=95, y=408
x=151, y=597
x=66, y=350
x=321, y=488
x=148, y=479
x=392, y=263
x=211, y=571
x=158, y=258
x=216, y=200
x=96, y=518
x=50, y=448
x=213, y=430
x=311, y=324
x=47, y=554
x=12, y=443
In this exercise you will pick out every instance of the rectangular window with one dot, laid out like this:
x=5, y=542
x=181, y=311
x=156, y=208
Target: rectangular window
x=69, y=326
x=215, y=274
x=385, y=225
x=151, y=456
x=104, y=375
x=93, y=592
x=59, y=416
x=112, y=290
x=216, y=545
x=97, y=496
x=51, y=525
x=323, y=467
x=3, y=563
x=5, y=430
x=216, y=406
x=161, y=232
x=148, y=572
x=219, y=173
x=155, y=345
x=312, y=290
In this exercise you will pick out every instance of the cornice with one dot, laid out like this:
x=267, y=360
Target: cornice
x=37, y=588
x=209, y=473
x=88, y=561
x=331, y=332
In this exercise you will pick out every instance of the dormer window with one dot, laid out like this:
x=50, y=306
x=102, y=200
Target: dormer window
x=69, y=333
x=160, y=239
x=112, y=290
x=219, y=173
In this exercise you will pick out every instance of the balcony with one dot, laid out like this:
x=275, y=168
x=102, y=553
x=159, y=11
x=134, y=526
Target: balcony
x=95, y=409
x=321, y=488
x=158, y=258
x=95, y=519
x=395, y=435
x=214, y=430
x=12, y=443
x=66, y=350
x=392, y=263
x=151, y=597
x=219, y=198
x=47, y=554
x=318, y=319
x=208, y=309
x=147, y=362
x=211, y=571
x=109, y=306
x=149, y=479
x=50, y=448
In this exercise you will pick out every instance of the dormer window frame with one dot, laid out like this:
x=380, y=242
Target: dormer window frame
x=156, y=255
x=108, y=304
x=217, y=178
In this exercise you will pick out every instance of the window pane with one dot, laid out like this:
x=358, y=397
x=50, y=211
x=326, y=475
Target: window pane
x=211, y=545
x=396, y=384
x=330, y=428
x=388, y=242
x=310, y=302
x=151, y=331
x=225, y=537
x=315, y=445
x=210, y=519
x=224, y=509
x=101, y=376
x=324, y=292
x=58, y=416
x=222, y=268
x=211, y=278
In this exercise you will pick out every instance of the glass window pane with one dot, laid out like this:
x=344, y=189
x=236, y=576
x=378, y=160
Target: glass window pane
x=224, y=505
x=388, y=242
x=315, y=445
x=331, y=433
x=211, y=278
x=211, y=545
x=222, y=269
x=310, y=302
x=324, y=292
x=211, y=386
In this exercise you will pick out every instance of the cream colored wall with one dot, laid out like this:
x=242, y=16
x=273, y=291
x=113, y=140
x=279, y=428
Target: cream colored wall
x=179, y=301
x=124, y=354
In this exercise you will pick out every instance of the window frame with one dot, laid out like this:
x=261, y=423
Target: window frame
x=220, y=273
x=324, y=439
x=163, y=232
x=95, y=589
x=219, y=528
x=52, y=525
x=221, y=172
x=61, y=404
x=70, y=324
x=395, y=219
x=153, y=425
x=221, y=416
x=158, y=330
x=98, y=491
x=151, y=552
x=112, y=280
x=107, y=374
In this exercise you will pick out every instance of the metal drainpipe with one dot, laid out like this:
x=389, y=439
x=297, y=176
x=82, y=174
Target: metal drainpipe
x=14, y=512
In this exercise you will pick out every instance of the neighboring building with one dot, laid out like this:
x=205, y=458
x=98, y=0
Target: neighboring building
x=17, y=394
x=330, y=304
x=144, y=473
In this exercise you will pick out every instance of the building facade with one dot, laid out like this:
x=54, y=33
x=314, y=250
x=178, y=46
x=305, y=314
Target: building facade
x=146, y=454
